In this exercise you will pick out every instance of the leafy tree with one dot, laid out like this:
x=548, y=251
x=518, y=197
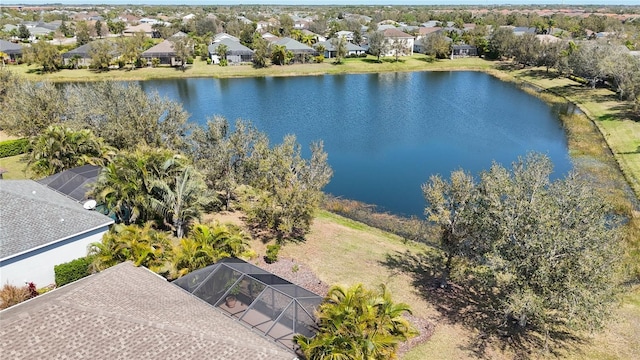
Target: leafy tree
x=356, y=323
x=550, y=53
x=586, y=60
x=527, y=49
x=377, y=44
x=501, y=43
x=279, y=54
x=83, y=36
x=286, y=25
x=436, y=45
x=223, y=155
x=101, y=53
x=399, y=48
x=261, y=52
x=131, y=48
x=340, y=45
x=44, y=54
x=548, y=249
x=181, y=200
x=59, y=148
x=125, y=116
x=3, y=57
x=624, y=70
x=39, y=105
x=116, y=27
x=23, y=32
x=64, y=29
x=143, y=245
x=183, y=50
x=289, y=188
x=98, y=28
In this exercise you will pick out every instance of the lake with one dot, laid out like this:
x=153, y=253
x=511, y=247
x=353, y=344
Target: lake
x=386, y=133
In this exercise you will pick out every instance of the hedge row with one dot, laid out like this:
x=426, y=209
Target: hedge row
x=13, y=147
x=73, y=270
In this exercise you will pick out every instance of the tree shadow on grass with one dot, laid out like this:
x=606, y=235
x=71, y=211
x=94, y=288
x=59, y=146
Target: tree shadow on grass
x=468, y=303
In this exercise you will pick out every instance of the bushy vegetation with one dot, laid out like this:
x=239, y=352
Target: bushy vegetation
x=11, y=295
x=357, y=323
x=547, y=252
x=13, y=147
x=73, y=270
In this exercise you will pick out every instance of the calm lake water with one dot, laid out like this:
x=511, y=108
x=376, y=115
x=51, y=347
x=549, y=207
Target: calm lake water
x=386, y=133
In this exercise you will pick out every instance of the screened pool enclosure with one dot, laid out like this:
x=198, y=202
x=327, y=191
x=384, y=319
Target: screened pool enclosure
x=257, y=298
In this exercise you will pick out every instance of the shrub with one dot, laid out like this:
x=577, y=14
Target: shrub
x=208, y=61
x=11, y=295
x=155, y=62
x=190, y=60
x=319, y=59
x=272, y=253
x=14, y=147
x=224, y=62
x=73, y=270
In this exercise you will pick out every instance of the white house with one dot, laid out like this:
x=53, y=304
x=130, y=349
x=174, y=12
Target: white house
x=395, y=36
x=40, y=228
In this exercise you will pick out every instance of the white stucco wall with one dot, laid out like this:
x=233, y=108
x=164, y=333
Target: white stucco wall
x=37, y=265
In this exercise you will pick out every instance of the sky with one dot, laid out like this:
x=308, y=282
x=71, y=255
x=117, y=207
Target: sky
x=326, y=2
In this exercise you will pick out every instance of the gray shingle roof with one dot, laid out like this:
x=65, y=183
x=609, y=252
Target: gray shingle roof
x=10, y=48
x=294, y=45
x=234, y=47
x=328, y=45
x=32, y=215
x=126, y=312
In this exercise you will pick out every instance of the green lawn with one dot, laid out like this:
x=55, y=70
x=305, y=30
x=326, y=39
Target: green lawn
x=201, y=69
x=15, y=166
x=341, y=251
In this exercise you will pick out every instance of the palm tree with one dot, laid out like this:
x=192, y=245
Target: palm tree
x=59, y=148
x=180, y=202
x=356, y=323
x=222, y=51
x=207, y=244
x=3, y=56
x=279, y=54
x=308, y=39
x=143, y=245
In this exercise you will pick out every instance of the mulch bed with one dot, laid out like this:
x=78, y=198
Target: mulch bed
x=301, y=275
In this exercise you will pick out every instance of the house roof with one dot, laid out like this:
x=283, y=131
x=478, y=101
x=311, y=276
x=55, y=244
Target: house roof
x=328, y=45
x=220, y=36
x=127, y=312
x=144, y=27
x=396, y=34
x=10, y=48
x=165, y=48
x=293, y=45
x=85, y=50
x=234, y=47
x=34, y=215
x=74, y=183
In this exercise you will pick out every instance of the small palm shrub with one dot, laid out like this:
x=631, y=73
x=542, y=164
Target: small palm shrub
x=357, y=323
x=272, y=253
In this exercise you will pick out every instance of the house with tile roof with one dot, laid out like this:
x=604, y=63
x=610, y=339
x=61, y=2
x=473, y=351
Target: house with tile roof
x=163, y=51
x=395, y=36
x=41, y=228
x=128, y=312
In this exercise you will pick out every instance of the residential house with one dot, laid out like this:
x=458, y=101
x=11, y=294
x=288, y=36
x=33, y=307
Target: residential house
x=463, y=50
x=300, y=51
x=146, y=28
x=41, y=228
x=395, y=36
x=164, y=51
x=236, y=52
x=81, y=56
x=521, y=30
x=220, y=36
x=348, y=35
x=318, y=37
x=422, y=33
x=13, y=51
x=330, y=49
x=128, y=312
x=270, y=37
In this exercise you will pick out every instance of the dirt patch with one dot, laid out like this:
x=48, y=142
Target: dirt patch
x=4, y=136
